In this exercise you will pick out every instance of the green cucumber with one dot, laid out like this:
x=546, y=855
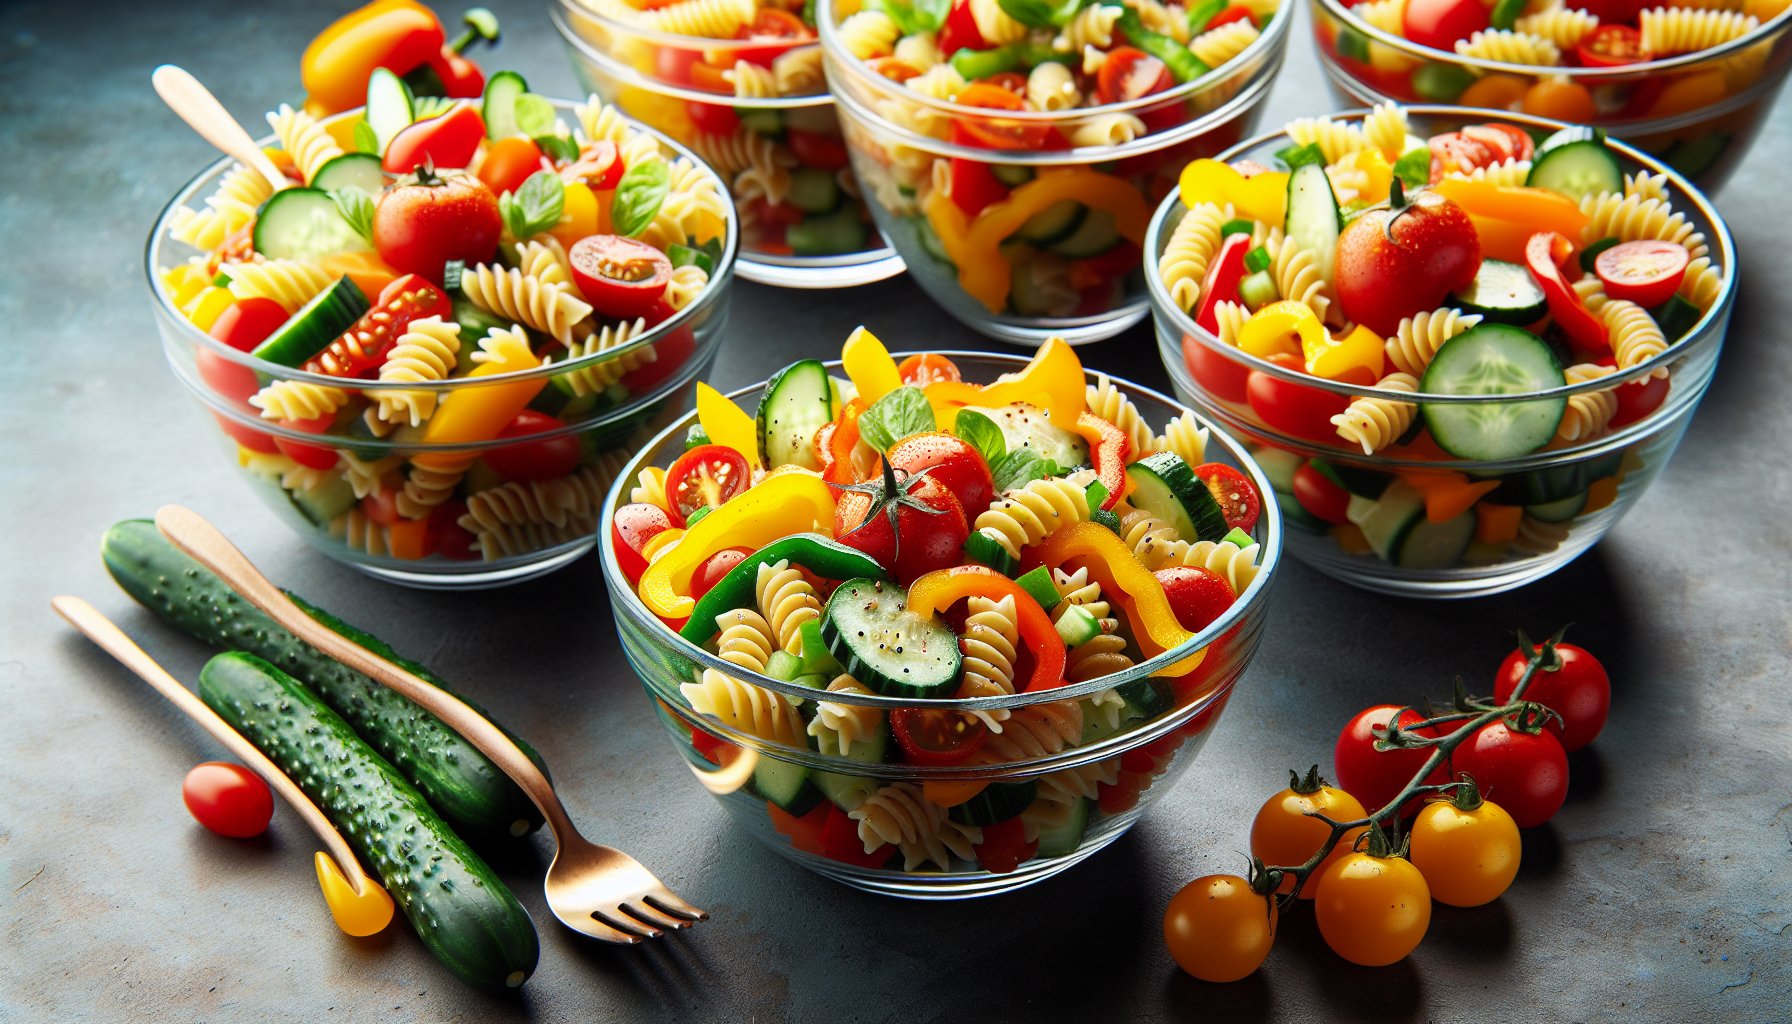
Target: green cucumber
x=1095, y=234
x=1576, y=169
x=352, y=170
x=1590, y=255
x=1145, y=698
x=1429, y=545
x=316, y=324
x=1061, y=840
x=499, y=108
x=1367, y=482
x=390, y=108
x=828, y=234
x=870, y=631
x=786, y=785
x=1053, y=224
x=1039, y=586
x=1675, y=317
x=1560, y=511
x=460, y=909
x=325, y=503
x=304, y=224
x=1386, y=521
x=998, y=802
x=768, y=121
x=1313, y=218
x=816, y=659
x=1296, y=516
x=985, y=551
x=1012, y=175
x=1493, y=359
x=465, y=787
x=1077, y=626
x=1258, y=290
x=1503, y=293
x=849, y=792
x=812, y=190
x=1167, y=488
x=1279, y=465
x=793, y=406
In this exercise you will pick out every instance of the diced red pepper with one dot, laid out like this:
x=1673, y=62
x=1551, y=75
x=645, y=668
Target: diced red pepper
x=1109, y=447
x=1005, y=846
x=804, y=832
x=1544, y=254
x=840, y=841
x=1221, y=283
x=960, y=31
x=974, y=186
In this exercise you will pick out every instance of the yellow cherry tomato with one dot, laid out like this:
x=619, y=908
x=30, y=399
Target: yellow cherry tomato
x=1467, y=857
x=1218, y=929
x=578, y=215
x=1372, y=910
x=1495, y=92
x=1560, y=97
x=1283, y=836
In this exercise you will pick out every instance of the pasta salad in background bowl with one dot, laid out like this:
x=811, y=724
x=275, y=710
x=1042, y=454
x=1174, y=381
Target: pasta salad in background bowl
x=740, y=83
x=889, y=617
x=1461, y=343
x=1690, y=81
x=432, y=349
x=1011, y=150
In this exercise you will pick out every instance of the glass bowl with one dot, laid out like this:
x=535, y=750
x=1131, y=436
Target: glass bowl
x=761, y=145
x=901, y=150
x=1609, y=471
x=613, y=402
x=1698, y=112
x=1125, y=772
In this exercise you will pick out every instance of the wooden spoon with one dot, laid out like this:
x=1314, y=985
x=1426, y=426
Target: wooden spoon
x=199, y=108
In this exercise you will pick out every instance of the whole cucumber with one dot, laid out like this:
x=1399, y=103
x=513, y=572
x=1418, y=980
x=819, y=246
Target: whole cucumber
x=462, y=911
x=464, y=786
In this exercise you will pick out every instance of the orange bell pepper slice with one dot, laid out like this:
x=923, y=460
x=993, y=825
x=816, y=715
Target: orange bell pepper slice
x=394, y=34
x=1505, y=216
x=1126, y=582
x=1109, y=447
x=1448, y=494
x=1052, y=381
x=481, y=413
x=1496, y=524
x=939, y=589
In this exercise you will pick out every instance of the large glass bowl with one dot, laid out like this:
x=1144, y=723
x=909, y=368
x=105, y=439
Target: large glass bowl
x=613, y=402
x=1698, y=112
x=1139, y=764
x=1612, y=469
x=902, y=149
x=749, y=140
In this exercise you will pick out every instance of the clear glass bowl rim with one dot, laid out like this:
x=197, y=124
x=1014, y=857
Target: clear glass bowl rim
x=158, y=236
x=1644, y=69
x=623, y=592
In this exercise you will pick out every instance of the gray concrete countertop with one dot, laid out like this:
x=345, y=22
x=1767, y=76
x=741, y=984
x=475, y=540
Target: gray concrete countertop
x=1660, y=892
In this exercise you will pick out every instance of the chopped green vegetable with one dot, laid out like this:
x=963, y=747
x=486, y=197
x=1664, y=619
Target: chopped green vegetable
x=1239, y=537
x=1039, y=586
x=1240, y=226
x=639, y=194
x=534, y=115
x=1300, y=156
x=903, y=412
x=685, y=256
x=539, y=202
x=981, y=433
x=1414, y=168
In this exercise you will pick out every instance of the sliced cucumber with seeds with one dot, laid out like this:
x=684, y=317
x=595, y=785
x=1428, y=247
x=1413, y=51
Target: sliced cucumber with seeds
x=786, y=785
x=390, y=108
x=1168, y=489
x=1060, y=840
x=1493, y=359
x=316, y=324
x=499, y=113
x=1279, y=465
x=1429, y=545
x=1077, y=626
x=1053, y=224
x=1558, y=511
x=1097, y=233
x=870, y=631
x=352, y=170
x=998, y=802
x=1577, y=169
x=1503, y=293
x=849, y=792
x=304, y=224
x=1313, y=218
x=793, y=407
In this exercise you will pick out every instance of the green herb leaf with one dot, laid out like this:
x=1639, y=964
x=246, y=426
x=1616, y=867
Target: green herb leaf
x=913, y=16
x=638, y=197
x=685, y=256
x=1202, y=13
x=1097, y=492
x=981, y=433
x=356, y=207
x=1042, y=13
x=534, y=115
x=1414, y=168
x=557, y=148
x=1018, y=468
x=809, y=13
x=535, y=207
x=366, y=139
x=1298, y=156
x=899, y=414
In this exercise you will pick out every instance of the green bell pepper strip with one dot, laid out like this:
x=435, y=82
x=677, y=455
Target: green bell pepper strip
x=821, y=556
x=976, y=64
x=1184, y=66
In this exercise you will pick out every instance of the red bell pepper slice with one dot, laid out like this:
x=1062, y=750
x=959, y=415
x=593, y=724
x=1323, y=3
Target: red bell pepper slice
x=804, y=832
x=1221, y=283
x=974, y=186
x=1005, y=847
x=1109, y=447
x=960, y=31
x=840, y=841
x=940, y=589
x=1544, y=255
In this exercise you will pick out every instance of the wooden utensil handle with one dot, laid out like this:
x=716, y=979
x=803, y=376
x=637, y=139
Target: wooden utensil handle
x=188, y=531
x=113, y=641
x=201, y=110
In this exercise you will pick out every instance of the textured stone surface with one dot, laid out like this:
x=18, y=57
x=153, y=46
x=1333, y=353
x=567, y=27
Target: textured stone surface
x=1659, y=893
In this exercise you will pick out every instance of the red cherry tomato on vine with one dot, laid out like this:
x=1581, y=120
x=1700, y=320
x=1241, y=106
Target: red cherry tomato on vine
x=1318, y=494
x=937, y=736
x=1197, y=596
x=1372, y=910
x=546, y=459
x=1129, y=73
x=1218, y=929
x=1377, y=776
x=707, y=476
x=1294, y=409
x=1579, y=691
x=423, y=222
x=508, y=163
x=1439, y=23
x=446, y=141
x=1235, y=493
x=1646, y=272
x=1525, y=773
x=718, y=565
x=952, y=462
x=922, y=542
x=228, y=799
x=630, y=530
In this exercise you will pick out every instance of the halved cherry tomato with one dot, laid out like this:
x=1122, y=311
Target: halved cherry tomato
x=547, y=459
x=812, y=150
x=1130, y=73
x=996, y=132
x=228, y=799
x=707, y=476
x=314, y=456
x=1235, y=493
x=243, y=325
x=927, y=368
x=1294, y=409
x=712, y=118
x=508, y=163
x=894, y=68
x=1236, y=12
x=1610, y=46
x=620, y=277
x=937, y=736
x=1522, y=148
x=1639, y=398
x=974, y=186
x=1197, y=596
x=717, y=566
x=446, y=141
x=1439, y=23
x=446, y=536
x=1318, y=494
x=769, y=23
x=1460, y=153
x=598, y=167
x=1013, y=81
x=630, y=530
x=1005, y=846
x=1501, y=143
x=1646, y=271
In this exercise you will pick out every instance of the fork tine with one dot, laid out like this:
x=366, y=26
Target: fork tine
x=651, y=915
x=627, y=925
x=666, y=901
x=600, y=930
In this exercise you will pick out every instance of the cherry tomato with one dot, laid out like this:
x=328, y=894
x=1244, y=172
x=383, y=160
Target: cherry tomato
x=1236, y=495
x=1579, y=691
x=443, y=142
x=1005, y=846
x=1560, y=97
x=840, y=841
x=922, y=541
x=508, y=163
x=1372, y=910
x=1467, y=857
x=424, y=221
x=228, y=799
x=620, y=277
x=630, y=530
x=446, y=536
x=1526, y=773
x=1320, y=495
x=1611, y=45
x=1520, y=145
x=893, y=68
x=314, y=456
x=717, y=566
x=1013, y=81
x=546, y=459
x=937, y=736
x=974, y=185
x=817, y=151
x=1393, y=264
x=927, y=368
x=997, y=132
x=1454, y=152
x=381, y=506
x=1294, y=409
x=1616, y=12
x=598, y=168
x=1236, y=12
x=363, y=348
x=1218, y=929
x=960, y=30
x=1639, y=398
x=707, y=476
x=1282, y=834
x=1129, y=73
x=1377, y=776
x=1197, y=596
x=1223, y=377
x=712, y=118
x=1646, y=272
x=1439, y=23
x=243, y=325
x=952, y=462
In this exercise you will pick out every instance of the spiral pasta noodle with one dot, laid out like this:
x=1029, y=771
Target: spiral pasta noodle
x=425, y=352
x=1169, y=21
x=518, y=502
x=797, y=71
x=1644, y=185
x=1029, y=514
x=744, y=639
x=848, y=722
x=989, y=645
x=1387, y=15
x=544, y=259
x=745, y=707
x=1418, y=338
x=426, y=487
x=303, y=139
x=291, y=283
x=787, y=600
x=1297, y=274
x=731, y=154
x=509, y=293
x=1191, y=247
x=1701, y=283
x=1236, y=565
x=361, y=533
x=1230, y=317
x=1536, y=537
x=1510, y=47
x=365, y=478
x=694, y=193
x=1110, y=403
x=1562, y=26
x=1334, y=138
x=1671, y=30
x=1629, y=218
x=1186, y=437
x=869, y=34
x=1107, y=130
x=687, y=283
x=898, y=815
x=1068, y=784
x=1033, y=731
x=1634, y=335
x=298, y=400
x=1052, y=86
x=920, y=51
x=997, y=26
x=1219, y=45
x=525, y=538
x=710, y=19
x=1154, y=542
x=1384, y=127
x=240, y=192
x=1508, y=172
x=1587, y=414
x=1104, y=655
x=589, y=379
x=1376, y=423
x=1092, y=26
x=601, y=122
x=751, y=80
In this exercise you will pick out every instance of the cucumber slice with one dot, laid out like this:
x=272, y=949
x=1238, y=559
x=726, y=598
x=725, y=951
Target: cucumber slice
x=849, y=792
x=1029, y=427
x=325, y=503
x=1039, y=586
x=1258, y=290
x=870, y=631
x=316, y=324
x=981, y=549
x=1558, y=511
x=1429, y=545
x=793, y=407
x=786, y=785
x=816, y=659
x=1167, y=488
x=998, y=802
x=1675, y=317
x=1145, y=698
x=1097, y=233
x=390, y=108
x=1313, y=218
x=1493, y=359
x=304, y=224
x=1544, y=486
x=499, y=111
x=1386, y=521
x=1503, y=293
x=1577, y=169
x=827, y=235
x=813, y=190
x=1012, y=175
x=1060, y=840
x=1077, y=626
x=1053, y=224
x=352, y=170
x=761, y=121
x=1367, y=482
x=1279, y=465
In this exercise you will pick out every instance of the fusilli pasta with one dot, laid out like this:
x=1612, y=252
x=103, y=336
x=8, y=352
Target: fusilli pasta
x=1186, y=437
x=1052, y=86
x=1510, y=47
x=898, y=815
x=787, y=600
x=1628, y=218
x=605, y=372
x=869, y=34
x=1111, y=404
x=303, y=139
x=425, y=352
x=1419, y=337
x=1107, y=130
x=1219, y=45
x=291, y=283
x=848, y=722
x=1335, y=138
x=240, y=192
x=744, y=638
x=1032, y=513
x=1192, y=245
x=508, y=292
x=1671, y=30
x=997, y=26
x=745, y=707
x=710, y=19
x=1376, y=423
x=298, y=400
x=1562, y=26
x=1092, y=26
x=1384, y=127
x=1634, y=335
x=1587, y=414
x=988, y=646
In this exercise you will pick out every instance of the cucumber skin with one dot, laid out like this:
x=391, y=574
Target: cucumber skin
x=462, y=911
x=464, y=786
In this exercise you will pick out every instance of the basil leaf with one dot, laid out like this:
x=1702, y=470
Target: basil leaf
x=356, y=207
x=1300, y=156
x=1202, y=13
x=1041, y=13
x=913, y=16
x=557, y=148
x=899, y=414
x=534, y=115
x=535, y=207
x=1018, y=468
x=1414, y=168
x=638, y=197
x=366, y=139
x=809, y=13
x=685, y=256
x=981, y=433
x=1097, y=492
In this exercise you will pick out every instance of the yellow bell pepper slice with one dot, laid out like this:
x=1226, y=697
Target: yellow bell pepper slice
x=660, y=542
x=726, y=425
x=1603, y=492
x=1126, y=580
x=1496, y=524
x=774, y=508
x=1525, y=210
x=207, y=306
x=482, y=413
x=868, y=364
x=1380, y=172
x=1261, y=197
x=1273, y=329
x=1357, y=357
x=580, y=215
x=1448, y=494
x=1053, y=381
